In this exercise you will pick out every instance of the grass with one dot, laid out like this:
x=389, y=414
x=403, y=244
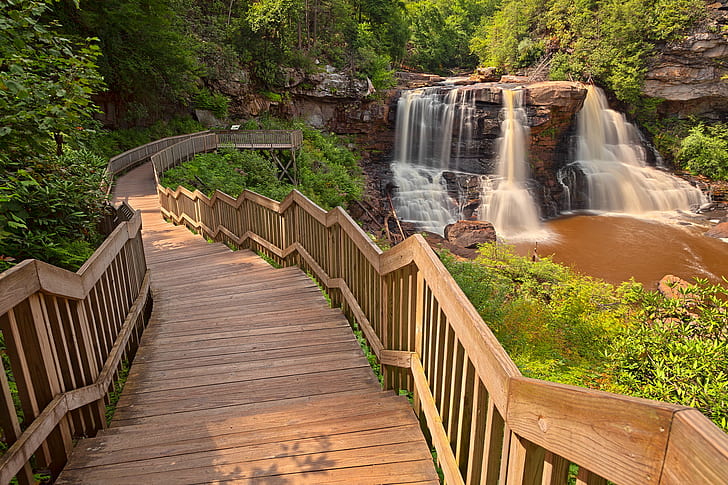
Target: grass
x=115, y=393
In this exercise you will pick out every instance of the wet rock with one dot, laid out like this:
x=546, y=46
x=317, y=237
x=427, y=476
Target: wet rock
x=485, y=75
x=514, y=79
x=438, y=243
x=720, y=231
x=673, y=287
x=470, y=234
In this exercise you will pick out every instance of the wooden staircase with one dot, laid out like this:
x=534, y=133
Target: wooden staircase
x=246, y=375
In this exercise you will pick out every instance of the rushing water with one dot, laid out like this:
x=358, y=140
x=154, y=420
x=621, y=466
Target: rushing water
x=510, y=207
x=425, y=119
x=434, y=131
x=610, y=172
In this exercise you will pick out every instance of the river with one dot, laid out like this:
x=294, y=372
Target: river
x=619, y=247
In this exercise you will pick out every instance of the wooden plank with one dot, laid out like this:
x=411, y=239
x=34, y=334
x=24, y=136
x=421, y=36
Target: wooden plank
x=555, y=470
x=133, y=448
x=206, y=469
x=17, y=284
x=697, y=451
x=11, y=426
x=434, y=423
x=630, y=434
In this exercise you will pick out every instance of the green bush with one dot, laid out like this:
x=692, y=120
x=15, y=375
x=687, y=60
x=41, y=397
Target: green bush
x=50, y=210
x=328, y=172
x=230, y=171
x=678, y=350
x=554, y=323
x=560, y=326
x=705, y=151
x=215, y=102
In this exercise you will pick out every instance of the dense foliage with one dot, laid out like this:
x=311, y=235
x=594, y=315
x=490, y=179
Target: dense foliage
x=552, y=322
x=50, y=209
x=705, y=151
x=441, y=32
x=50, y=203
x=46, y=82
x=678, y=349
x=560, y=326
x=328, y=172
x=604, y=40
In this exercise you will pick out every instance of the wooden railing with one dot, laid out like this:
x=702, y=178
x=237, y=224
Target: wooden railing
x=260, y=138
x=172, y=150
x=488, y=423
x=66, y=336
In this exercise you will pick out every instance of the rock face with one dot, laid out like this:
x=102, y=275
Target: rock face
x=470, y=234
x=688, y=73
x=720, y=231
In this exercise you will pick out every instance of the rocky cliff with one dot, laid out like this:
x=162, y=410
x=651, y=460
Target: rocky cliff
x=689, y=74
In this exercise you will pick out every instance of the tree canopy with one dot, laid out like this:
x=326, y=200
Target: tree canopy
x=46, y=81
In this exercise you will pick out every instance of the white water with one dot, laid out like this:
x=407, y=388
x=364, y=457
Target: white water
x=510, y=207
x=611, y=157
x=426, y=119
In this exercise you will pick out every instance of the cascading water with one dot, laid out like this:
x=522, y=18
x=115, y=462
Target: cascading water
x=426, y=119
x=610, y=172
x=510, y=207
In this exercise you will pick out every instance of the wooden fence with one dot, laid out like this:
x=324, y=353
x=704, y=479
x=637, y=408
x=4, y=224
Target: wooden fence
x=488, y=423
x=167, y=152
x=66, y=336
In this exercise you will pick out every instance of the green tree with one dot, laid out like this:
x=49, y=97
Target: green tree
x=46, y=82
x=441, y=32
x=608, y=41
x=148, y=61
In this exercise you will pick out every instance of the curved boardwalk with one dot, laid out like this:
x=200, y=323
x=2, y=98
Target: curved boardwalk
x=244, y=375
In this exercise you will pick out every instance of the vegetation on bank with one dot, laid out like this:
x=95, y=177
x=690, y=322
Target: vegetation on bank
x=326, y=170
x=609, y=42
x=560, y=326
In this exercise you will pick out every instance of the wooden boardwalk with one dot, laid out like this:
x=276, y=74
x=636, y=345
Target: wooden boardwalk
x=244, y=375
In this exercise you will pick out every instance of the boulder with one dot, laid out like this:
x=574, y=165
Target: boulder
x=720, y=231
x=470, y=234
x=485, y=75
x=511, y=79
x=673, y=287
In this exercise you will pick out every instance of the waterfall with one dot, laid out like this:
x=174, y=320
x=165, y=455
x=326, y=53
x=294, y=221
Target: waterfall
x=510, y=207
x=426, y=121
x=610, y=172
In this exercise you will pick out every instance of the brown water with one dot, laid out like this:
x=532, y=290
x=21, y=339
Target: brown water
x=616, y=248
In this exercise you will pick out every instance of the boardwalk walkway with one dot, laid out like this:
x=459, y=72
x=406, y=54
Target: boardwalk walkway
x=244, y=375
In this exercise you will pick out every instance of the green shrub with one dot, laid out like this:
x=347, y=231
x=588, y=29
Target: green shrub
x=705, y=151
x=110, y=143
x=678, y=350
x=50, y=210
x=230, y=171
x=553, y=322
x=328, y=172
x=215, y=102
x=560, y=326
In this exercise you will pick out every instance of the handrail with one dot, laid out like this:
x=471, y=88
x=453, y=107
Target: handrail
x=488, y=423
x=66, y=335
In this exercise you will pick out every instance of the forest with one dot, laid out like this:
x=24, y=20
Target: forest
x=159, y=59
